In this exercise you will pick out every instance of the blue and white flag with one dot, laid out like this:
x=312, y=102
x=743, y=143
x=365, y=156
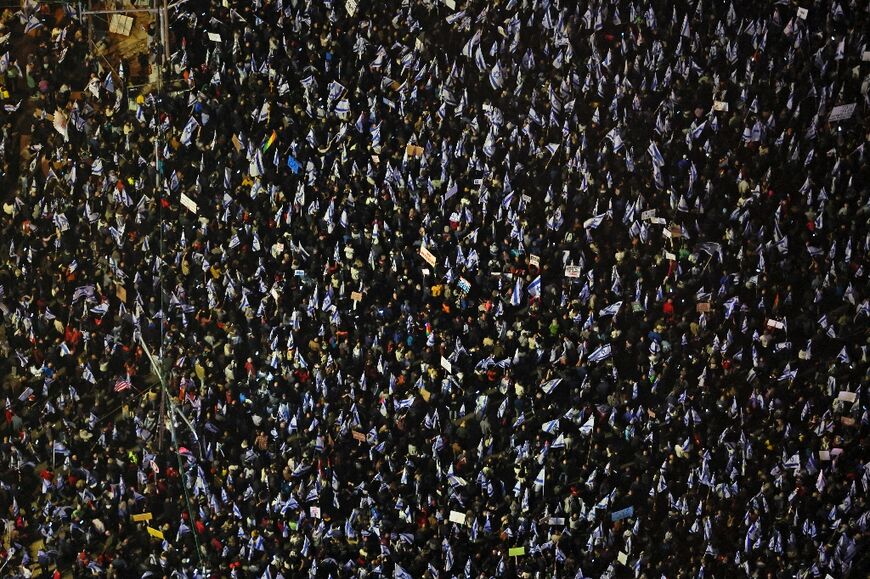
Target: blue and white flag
x=535, y=287
x=187, y=133
x=600, y=354
x=541, y=479
x=610, y=310
x=594, y=222
x=495, y=76
x=656, y=154
x=550, y=385
x=33, y=23
x=587, y=427
x=517, y=294
x=551, y=426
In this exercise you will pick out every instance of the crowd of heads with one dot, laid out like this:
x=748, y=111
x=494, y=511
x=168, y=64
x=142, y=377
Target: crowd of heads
x=502, y=288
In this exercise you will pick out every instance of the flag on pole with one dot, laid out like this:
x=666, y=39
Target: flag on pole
x=270, y=141
x=122, y=384
x=517, y=294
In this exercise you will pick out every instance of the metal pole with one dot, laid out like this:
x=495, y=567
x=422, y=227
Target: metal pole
x=120, y=11
x=158, y=370
x=165, y=30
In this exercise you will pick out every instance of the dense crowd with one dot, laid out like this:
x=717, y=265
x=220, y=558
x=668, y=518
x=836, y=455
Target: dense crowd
x=484, y=288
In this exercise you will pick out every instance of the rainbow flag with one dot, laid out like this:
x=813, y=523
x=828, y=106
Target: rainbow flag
x=270, y=141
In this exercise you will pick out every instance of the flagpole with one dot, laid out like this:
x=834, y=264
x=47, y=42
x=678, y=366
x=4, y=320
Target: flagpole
x=157, y=370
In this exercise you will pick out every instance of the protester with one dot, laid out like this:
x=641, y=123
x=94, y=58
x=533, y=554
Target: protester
x=439, y=289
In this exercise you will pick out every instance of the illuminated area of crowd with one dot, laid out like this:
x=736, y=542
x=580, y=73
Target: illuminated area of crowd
x=438, y=288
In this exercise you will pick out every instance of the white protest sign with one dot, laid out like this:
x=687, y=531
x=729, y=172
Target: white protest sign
x=720, y=106
x=214, y=37
x=535, y=260
x=445, y=363
x=350, y=6
x=842, y=112
x=846, y=396
x=648, y=214
x=457, y=517
x=573, y=271
x=802, y=13
x=189, y=203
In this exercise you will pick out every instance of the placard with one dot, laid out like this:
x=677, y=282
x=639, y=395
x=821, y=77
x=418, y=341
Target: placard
x=445, y=363
x=573, y=271
x=121, y=293
x=358, y=436
x=214, y=37
x=464, y=285
x=314, y=512
x=702, y=307
x=648, y=214
x=189, y=203
x=556, y=521
x=350, y=6
x=457, y=517
x=842, y=112
x=846, y=396
x=155, y=533
x=450, y=4
x=622, y=558
x=356, y=296
x=720, y=106
x=671, y=256
x=535, y=260
x=802, y=13
x=775, y=324
x=516, y=551
x=427, y=255
x=413, y=151
x=824, y=455
x=142, y=517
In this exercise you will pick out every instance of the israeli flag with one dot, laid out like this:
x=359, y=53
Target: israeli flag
x=342, y=108
x=403, y=404
x=187, y=133
x=587, y=427
x=517, y=294
x=601, y=353
x=594, y=222
x=793, y=462
x=32, y=24
x=540, y=480
x=495, y=76
x=610, y=310
x=550, y=385
x=551, y=426
x=656, y=154
x=535, y=287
